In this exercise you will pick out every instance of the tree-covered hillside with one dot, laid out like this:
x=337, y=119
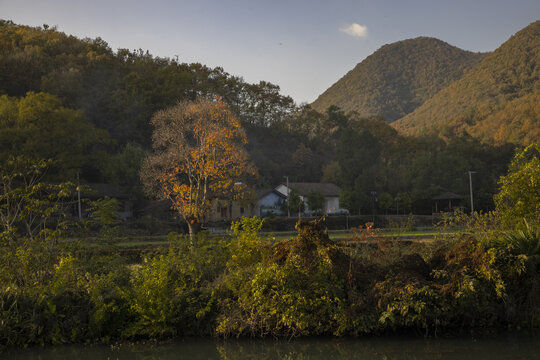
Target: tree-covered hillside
x=115, y=92
x=398, y=78
x=496, y=101
x=88, y=107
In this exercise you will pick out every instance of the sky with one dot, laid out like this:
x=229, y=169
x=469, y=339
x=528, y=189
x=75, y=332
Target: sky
x=304, y=46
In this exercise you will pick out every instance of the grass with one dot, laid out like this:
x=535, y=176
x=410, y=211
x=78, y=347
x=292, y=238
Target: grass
x=161, y=240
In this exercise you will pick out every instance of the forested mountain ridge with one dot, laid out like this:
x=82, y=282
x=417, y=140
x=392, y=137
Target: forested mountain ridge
x=497, y=101
x=398, y=78
x=87, y=107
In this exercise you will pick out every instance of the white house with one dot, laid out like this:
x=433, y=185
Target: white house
x=329, y=191
x=269, y=202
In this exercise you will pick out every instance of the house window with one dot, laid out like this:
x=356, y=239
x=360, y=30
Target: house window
x=242, y=210
x=223, y=211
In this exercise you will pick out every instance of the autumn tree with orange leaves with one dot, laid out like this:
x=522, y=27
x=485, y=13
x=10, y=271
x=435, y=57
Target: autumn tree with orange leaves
x=198, y=157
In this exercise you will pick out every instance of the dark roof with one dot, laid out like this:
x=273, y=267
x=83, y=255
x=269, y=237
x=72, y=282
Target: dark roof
x=448, y=196
x=327, y=189
x=99, y=190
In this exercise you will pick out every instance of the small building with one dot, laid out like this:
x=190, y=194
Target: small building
x=230, y=210
x=328, y=190
x=270, y=202
x=447, y=202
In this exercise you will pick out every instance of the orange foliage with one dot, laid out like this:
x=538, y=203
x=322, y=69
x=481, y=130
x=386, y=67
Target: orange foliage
x=198, y=156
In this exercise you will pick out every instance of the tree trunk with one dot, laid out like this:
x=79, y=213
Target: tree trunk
x=194, y=227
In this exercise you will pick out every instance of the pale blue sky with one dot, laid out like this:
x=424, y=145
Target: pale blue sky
x=296, y=44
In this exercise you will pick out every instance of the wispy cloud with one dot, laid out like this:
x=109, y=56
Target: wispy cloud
x=355, y=30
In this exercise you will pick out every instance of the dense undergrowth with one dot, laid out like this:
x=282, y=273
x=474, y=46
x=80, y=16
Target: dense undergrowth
x=54, y=290
x=251, y=286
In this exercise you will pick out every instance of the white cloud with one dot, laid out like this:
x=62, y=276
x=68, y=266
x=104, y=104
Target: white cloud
x=355, y=30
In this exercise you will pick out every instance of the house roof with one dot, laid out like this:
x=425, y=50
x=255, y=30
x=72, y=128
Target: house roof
x=327, y=189
x=448, y=196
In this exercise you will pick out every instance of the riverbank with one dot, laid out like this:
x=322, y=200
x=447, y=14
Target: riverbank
x=251, y=285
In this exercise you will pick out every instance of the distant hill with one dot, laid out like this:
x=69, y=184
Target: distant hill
x=498, y=100
x=398, y=78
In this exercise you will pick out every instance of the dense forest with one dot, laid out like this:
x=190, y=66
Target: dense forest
x=94, y=105
x=398, y=77
x=496, y=101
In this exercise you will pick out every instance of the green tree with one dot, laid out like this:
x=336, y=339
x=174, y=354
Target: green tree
x=385, y=201
x=294, y=202
x=348, y=199
x=123, y=168
x=39, y=127
x=28, y=206
x=104, y=214
x=404, y=202
x=315, y=200
x=33, y=216
x=519, y=192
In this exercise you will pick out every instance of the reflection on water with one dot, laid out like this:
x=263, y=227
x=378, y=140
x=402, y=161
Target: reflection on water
x=509, y=347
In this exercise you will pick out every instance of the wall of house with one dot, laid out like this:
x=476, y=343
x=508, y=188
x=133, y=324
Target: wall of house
x=331, y=204
x=270, y=202
x=225, y=210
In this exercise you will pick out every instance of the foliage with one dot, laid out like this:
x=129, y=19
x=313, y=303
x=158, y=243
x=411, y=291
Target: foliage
x=28, y=206
x=70, y=139
x=288, y=294
x=294, y=202
x=386, y=201
x=172, y=293
x=249, y=285
x=398, y=78
x=104, y=214
x=122, y=169
x=519, y=193
x=497, y=100
x=315, y=200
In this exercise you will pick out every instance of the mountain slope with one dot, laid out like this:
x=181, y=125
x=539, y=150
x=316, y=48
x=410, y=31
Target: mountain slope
x=398, y=78
x=497, y=100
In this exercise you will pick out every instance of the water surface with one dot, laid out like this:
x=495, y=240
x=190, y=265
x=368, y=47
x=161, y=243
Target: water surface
x=507, y=347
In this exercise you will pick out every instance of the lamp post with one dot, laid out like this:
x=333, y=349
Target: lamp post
x=397, y=199
x=288, y=202
x=470, y=189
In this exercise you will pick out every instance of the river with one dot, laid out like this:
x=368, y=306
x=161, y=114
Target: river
x=382, y=348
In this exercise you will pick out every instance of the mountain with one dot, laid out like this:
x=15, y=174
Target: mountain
x=398, y=78
x=497, y=101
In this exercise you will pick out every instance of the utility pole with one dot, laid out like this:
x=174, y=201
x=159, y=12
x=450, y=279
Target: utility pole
x=288, y=200
x=79, y=197
x=373, y=199
x=470, y=189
